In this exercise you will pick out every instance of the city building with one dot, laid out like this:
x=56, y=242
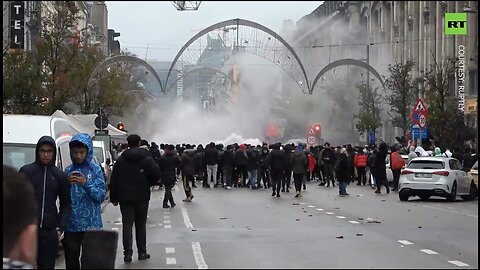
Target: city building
x=385, y=32
x=22, y=23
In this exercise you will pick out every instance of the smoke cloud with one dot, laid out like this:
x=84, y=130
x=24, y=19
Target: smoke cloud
x=263, y=86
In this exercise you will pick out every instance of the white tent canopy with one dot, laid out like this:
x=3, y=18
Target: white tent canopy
x=85, y=123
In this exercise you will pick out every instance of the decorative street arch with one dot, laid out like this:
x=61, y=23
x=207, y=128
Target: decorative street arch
x=346, y=62
x=265, y=43
x=198, y=69
x=124, y=58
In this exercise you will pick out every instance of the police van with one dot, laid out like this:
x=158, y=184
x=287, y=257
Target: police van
x=21, y=134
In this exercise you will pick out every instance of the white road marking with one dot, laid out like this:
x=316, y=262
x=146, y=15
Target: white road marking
x=340, y=217
x=354, y=222
x=115, y=229
x=405, y=242
x=319, y=209
x=171, y=261
x=166, y=217
x=450, y=211
x=168, y=226
x=302, y=203
x=329, y=213
x=159, y=224
x=197, y=249
x=458, y=263
x=311, y=206
x=166, y=221
x=197, y=253
x=428, y=251
x=169, y=250
x=186, y=219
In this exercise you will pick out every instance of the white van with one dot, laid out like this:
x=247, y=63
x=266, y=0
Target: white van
x=103, y=157
x=21, y=134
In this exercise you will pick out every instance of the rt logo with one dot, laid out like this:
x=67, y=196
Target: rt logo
x=455, y=23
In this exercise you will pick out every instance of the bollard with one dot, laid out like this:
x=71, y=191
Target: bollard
x=99, y=249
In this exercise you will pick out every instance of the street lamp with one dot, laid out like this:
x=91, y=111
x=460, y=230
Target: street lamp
x=410, y=22
x=426, y=15
x=468, y=9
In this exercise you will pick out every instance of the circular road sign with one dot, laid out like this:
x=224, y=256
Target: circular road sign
x=422, y=120
x=101, y=122
x=311, y=140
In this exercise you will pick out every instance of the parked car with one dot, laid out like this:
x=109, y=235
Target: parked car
x=389, y=170
x=473, y=173
x=435, y=176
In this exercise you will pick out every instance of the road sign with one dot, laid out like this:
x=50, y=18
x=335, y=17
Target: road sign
x=101, y=122
x=420, y=113
x=311, y=140
x=416, y=133
x=99, y=132
x=311, y=131
x=422, y=120
x=371, y=137
x=420, y=106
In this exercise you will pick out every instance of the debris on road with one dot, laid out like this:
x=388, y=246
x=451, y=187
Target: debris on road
x=223, y=218
x=340, y=237
x=360, y=218
x=419, y=227
x=309, y=215
x=374, y=221
x=194, y=230
x=359, y=234
x=297, y=219
x=384, y=200
x=295, y=203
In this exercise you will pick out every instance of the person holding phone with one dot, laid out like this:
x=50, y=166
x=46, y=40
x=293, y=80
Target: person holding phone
x=49, y=183
x=87, y=191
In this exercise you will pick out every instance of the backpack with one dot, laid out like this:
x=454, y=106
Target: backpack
x=396, y=161
x=371, y=160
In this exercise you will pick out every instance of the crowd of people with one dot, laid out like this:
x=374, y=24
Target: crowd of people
x=140, y=165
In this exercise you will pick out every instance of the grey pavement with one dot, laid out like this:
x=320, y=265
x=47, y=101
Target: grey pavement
x=244, y=228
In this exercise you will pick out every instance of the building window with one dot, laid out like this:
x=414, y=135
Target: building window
x=473, y=82
x=451, y=86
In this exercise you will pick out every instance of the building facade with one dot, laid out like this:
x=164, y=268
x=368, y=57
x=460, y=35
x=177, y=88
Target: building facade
x=386, y=32
x=22, y=23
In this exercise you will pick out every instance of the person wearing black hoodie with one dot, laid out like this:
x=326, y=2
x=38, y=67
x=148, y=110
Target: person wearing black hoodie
x=227, y=160
x=132, y=176
x=277, y=162
x=380, y=168
x=49, y=183
x=188, y=166
x=168, y=164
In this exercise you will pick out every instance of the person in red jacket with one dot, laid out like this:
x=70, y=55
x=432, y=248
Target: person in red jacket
x=360, y=162
x=396, y=164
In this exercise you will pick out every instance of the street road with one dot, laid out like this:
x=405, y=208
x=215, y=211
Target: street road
x=244, y=228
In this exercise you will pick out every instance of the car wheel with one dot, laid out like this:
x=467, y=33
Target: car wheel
x=424, y=197
x=403, y=196
x=453, y=195
x=472, y=193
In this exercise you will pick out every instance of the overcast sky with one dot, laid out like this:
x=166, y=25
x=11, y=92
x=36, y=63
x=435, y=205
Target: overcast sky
x=165, y=29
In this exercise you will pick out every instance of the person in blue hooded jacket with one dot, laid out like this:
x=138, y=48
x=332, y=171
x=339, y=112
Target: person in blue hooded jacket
x=87, y=192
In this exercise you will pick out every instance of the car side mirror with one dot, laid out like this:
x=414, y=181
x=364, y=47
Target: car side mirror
x=108, y=161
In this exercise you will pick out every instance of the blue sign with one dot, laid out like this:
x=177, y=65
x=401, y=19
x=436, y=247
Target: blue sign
x=371, y=137
x=416, y=133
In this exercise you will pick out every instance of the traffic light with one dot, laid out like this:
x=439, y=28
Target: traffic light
x=316, y=128
x=121, y=126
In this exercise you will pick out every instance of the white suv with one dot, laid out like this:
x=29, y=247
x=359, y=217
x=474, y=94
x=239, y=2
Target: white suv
x=435, y=176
